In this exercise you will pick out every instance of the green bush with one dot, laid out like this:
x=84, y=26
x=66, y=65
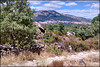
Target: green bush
x=58, y=33
x=47, y=38
x=52, y=48
x=56, y=26
x=17, y=24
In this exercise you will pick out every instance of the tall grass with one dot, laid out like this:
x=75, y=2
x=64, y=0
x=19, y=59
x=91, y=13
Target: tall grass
x=23, y=56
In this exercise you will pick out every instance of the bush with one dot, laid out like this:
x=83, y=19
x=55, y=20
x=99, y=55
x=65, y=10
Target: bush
x=84, y=46
x=52, y=48
x=56, y=26
x=47, y=38
x=57, y=33
x=16, y=24
x=93, y=43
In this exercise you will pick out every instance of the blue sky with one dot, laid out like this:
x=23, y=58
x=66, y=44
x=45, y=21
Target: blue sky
x=86, y=9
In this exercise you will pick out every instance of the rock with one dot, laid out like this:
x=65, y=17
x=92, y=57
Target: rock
x=30, y=63
x=70, y=48
x=40, y=27
x=36, y=48
x=26, y=63
x=51, y=59
x=70, y=33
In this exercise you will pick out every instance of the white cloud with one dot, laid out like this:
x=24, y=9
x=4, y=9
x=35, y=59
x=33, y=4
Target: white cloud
x=35, y=2
x=95, y=5
x=86, y=13
x=88, y=5
x=57, y=3
x=86, y=1
x=32, y=7
x=71, y=4
x=41, y=8
x=52, y=6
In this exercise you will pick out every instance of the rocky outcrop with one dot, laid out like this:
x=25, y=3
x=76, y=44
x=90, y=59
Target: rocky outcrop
x=70, y=33
x=36, y=48
x=7, y=50
x=39, y=27
x=40, y=30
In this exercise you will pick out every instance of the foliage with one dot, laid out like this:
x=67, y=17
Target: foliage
x=57, y=33
x=16, y=23
x=97, y=18
x=71, y=24
x=58, y=27
x=87, y=31
x=95, y=27
x=84, y=32
x=74, y=28
x=52, y=48
x=47, y=38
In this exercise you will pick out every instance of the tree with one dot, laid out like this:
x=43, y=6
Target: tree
x=16, y=23
x=74, y=28
x=95, y=25
x=61, y=27
x=84, y=32
x=56, y=26
x=97, y=18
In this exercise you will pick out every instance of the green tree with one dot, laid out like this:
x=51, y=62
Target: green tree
x=74, y=28
x=84, y=32
x=97, y=18
x=56, y=26
x=16, y=23
x=95, y=25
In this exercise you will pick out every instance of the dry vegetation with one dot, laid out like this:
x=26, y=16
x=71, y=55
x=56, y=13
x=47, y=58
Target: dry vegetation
x=91, y=60
x=24, y=56
x=57, y=63
x=78, y=45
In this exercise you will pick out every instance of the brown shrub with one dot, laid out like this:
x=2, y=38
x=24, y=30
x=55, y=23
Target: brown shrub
x=57, y=63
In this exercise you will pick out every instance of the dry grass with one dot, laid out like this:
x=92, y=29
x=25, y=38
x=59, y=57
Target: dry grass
x=92, y=60
x=57, y=63
x=8, y=59
x=71, y=63
x=26, y=55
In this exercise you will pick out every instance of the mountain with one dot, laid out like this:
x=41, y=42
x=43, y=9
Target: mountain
x=53, y=16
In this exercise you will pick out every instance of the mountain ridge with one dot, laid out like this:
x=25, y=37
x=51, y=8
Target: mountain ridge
x=53, y=16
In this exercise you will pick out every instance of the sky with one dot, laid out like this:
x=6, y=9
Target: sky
x=86, y=9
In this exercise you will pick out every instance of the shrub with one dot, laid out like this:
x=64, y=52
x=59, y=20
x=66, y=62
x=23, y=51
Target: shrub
x=52, y=48
x=56, y=26
x=57, y=63
x=84, y=46
x=57, y=32
x=47, y=38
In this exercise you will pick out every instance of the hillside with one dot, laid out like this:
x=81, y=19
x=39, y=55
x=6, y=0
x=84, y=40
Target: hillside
x=51, y=15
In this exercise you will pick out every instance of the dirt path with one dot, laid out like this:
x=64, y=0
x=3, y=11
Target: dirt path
x=91, y=58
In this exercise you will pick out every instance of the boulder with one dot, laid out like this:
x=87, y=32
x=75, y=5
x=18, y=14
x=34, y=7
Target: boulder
x=39, y=26
x=70, y=33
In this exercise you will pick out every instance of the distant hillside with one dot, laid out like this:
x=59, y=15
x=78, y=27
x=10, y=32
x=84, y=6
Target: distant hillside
x=44, y=15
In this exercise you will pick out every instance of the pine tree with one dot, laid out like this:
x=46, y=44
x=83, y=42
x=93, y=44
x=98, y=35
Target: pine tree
x=16, y=23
